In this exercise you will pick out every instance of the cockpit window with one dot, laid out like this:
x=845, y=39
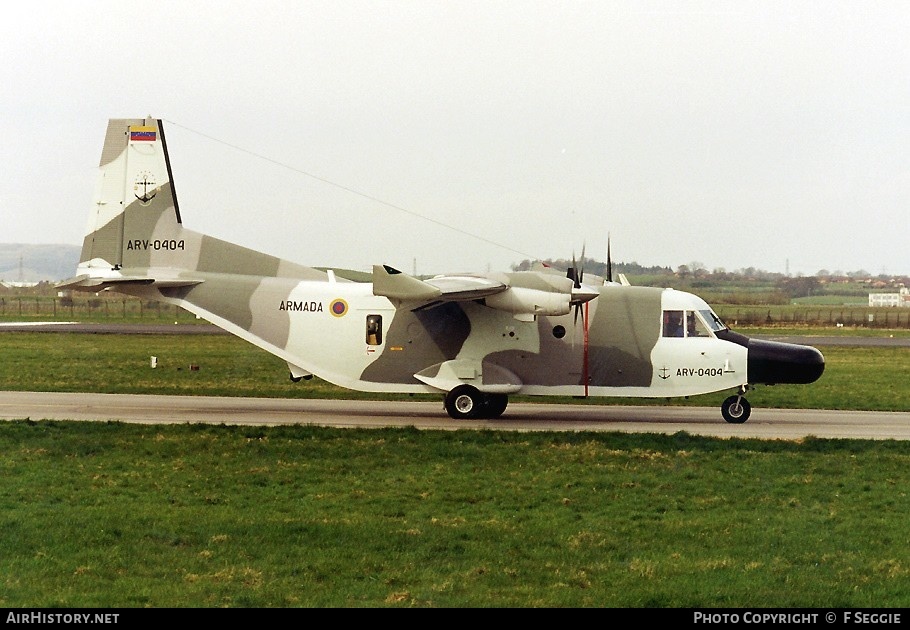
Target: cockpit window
x=713, y=320
x=690, y=323
x=695, y=327
x=673, y=324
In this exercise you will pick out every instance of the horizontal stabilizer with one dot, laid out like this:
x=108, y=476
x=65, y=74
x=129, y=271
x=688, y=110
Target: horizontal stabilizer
x=102, y=275
x=86, y=282
x=97, y=283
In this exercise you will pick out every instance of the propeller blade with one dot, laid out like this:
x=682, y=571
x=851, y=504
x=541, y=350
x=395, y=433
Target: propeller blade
x=572, y=273
x=575, y=273
x=609, y=261
x=581, y=271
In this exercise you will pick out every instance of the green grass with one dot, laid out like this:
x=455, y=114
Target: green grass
x=116, y=515
x=834, y=300
x=123, y=515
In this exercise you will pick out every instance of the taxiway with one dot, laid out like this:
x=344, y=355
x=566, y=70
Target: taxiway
x=786, y=424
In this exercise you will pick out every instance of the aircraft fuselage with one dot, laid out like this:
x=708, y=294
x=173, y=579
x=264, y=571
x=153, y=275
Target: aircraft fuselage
x=324, y=328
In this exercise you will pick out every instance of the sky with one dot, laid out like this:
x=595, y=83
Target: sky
x=452, y=136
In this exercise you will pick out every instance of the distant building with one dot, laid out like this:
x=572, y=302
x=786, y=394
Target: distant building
x=901, y=298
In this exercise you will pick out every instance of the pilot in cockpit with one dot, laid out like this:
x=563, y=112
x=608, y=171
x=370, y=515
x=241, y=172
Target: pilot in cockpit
x=673, y=324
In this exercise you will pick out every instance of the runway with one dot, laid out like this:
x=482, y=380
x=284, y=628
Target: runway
x=770, y=424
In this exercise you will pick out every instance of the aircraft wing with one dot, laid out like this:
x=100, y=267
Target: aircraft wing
x=524, y=294
x=394, y=284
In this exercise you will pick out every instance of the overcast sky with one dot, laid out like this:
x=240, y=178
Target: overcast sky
x=467, y=136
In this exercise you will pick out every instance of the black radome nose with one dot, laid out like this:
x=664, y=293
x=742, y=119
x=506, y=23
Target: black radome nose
x=773, y=362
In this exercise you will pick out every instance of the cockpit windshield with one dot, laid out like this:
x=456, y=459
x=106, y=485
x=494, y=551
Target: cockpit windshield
x=685, y=323
x=712, y=320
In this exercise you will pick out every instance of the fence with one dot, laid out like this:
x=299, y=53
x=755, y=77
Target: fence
x=853, y=316
x=89, y=308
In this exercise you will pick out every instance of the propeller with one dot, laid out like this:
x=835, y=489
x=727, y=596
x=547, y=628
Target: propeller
x=609, y=261
x=576, y=274
x=581, y=295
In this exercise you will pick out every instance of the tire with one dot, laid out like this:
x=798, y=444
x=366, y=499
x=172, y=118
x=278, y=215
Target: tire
x=494, y=405
x=736, y=409
x=464, y=402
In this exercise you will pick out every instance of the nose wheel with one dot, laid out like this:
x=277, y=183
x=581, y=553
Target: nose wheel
x=736, y=409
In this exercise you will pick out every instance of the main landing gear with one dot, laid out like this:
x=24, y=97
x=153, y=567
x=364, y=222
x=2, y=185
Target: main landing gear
x=465, y=402
x=736, y=409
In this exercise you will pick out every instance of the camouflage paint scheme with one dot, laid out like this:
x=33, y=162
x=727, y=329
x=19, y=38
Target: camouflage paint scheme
x=519, y=332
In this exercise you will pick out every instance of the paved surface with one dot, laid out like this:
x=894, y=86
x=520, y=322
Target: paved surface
x=787, y=424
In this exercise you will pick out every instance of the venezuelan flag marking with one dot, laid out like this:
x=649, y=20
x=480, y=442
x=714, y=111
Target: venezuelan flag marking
x=143, y=134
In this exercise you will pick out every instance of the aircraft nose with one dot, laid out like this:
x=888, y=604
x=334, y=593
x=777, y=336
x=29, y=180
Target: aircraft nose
x=772, y=362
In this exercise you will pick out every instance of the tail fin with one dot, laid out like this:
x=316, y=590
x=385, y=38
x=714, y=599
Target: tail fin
x=135, y=212
x=135, y=232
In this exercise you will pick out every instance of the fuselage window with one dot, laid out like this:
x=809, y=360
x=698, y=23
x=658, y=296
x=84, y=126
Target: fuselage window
x=374, y=330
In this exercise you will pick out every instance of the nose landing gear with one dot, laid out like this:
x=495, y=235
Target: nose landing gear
x=736, y=409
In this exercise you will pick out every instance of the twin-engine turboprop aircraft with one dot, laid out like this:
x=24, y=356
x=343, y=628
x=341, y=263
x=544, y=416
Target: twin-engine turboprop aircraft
x=473, y=338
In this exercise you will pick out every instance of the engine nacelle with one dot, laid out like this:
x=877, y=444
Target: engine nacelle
x=521, y=301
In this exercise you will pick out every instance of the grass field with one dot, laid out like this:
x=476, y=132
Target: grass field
x=116, y=515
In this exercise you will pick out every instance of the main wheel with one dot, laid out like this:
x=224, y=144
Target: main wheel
x=494, y=405
x=464, y=402
x=736, y=409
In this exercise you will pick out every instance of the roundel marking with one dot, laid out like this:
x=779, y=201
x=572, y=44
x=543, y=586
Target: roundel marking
x=338, y=307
